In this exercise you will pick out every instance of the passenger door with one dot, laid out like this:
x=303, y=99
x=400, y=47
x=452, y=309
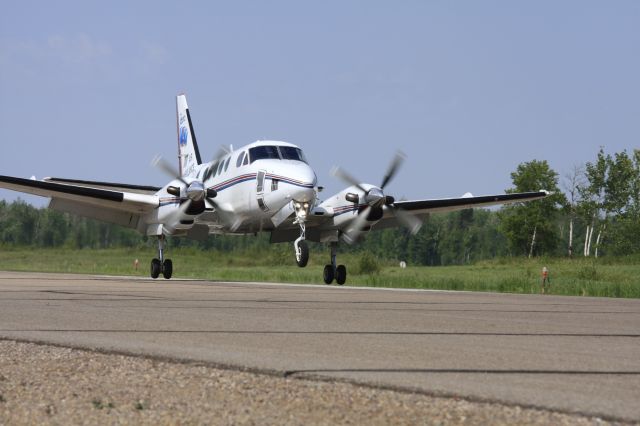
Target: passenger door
x=260, y=190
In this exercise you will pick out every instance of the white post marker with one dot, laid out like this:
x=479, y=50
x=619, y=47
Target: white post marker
x=545, y=279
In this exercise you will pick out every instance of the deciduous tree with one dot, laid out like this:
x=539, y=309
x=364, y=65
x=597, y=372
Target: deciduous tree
x=529, y=227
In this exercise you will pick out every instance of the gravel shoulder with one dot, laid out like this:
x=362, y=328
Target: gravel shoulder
x=42, y=384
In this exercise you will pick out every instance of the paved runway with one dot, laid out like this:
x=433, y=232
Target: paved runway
x=566, y=353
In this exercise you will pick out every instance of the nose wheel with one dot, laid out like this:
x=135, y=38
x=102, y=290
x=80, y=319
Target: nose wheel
x=331, y=272
x=302, y=252
x=161, y=266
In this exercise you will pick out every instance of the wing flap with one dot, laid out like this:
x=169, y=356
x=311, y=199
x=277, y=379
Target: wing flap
x=112, y=186
x=102, y=213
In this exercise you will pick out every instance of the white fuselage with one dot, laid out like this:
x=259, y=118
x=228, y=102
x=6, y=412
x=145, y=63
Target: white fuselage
x=251, y=189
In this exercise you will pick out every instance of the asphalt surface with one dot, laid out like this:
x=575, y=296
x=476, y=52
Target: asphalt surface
x=571, y=354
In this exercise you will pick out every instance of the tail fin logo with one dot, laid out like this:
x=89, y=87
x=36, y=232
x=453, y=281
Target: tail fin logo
x=183, y=136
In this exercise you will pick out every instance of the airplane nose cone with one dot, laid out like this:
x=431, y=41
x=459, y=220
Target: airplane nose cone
x=304, y=179
x=306, y=174
x=304, y=195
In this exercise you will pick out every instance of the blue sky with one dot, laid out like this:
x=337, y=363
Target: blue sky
x=467, y=89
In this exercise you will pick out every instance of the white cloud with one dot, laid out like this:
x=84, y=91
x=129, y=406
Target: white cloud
x=154, y=53
x=78, y=49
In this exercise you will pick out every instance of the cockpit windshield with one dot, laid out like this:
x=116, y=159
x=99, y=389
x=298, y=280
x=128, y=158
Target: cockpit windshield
x=264, y=152
x=292, y=153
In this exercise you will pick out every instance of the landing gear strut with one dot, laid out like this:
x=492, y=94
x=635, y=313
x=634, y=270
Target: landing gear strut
x=300, y=245
x=160, y=264
x=332, y=271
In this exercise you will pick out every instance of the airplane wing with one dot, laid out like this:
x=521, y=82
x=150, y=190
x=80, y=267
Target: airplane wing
x=90, y=199
x=319, y=224
x=421, y=208
x=450, y=204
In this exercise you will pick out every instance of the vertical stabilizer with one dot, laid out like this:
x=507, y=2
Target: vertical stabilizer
x=188, y=153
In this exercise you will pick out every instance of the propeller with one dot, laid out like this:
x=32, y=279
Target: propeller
x=397, y=161
x=375, y=198
x=342, y=174
x=195, y=190
x=352, y=233
x=222, y=151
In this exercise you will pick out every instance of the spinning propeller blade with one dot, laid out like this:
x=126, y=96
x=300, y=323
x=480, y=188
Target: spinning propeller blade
x=397, y=161
x=374, y=198
x=346, y=177
x=215, y=162
x=185, y=206
x=167, y=168
x=409, y=221
x=353, y=232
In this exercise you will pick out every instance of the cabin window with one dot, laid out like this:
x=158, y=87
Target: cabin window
x=220, y=166
x=246, y=159
x=239, y=160
x=226, y=164
x=263, y=152
x=274, y=185
x=214, y=169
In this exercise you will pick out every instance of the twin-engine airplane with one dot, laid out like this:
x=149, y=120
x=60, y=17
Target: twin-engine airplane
x=266, y=186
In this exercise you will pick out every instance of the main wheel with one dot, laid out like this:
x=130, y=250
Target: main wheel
x=302, y=254
x=167, y=269
x=156, y=267
x=327, y=274
x=341, y=274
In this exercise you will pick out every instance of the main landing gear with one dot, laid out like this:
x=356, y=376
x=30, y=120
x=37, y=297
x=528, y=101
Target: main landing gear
x=331, y=272
x=161, y=266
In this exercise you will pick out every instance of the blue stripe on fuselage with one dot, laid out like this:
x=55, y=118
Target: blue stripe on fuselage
x=337, y=211
x=244, y=178
x=236, y=180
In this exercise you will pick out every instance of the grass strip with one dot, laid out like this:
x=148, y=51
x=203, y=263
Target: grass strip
x=605, y=277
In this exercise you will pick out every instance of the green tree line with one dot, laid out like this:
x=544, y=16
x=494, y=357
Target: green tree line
x=597, y=212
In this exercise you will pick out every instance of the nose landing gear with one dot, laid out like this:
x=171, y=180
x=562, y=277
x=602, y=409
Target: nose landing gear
x=302, y=252
x=161, y=265
x=331, y=272
x=300, y=245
